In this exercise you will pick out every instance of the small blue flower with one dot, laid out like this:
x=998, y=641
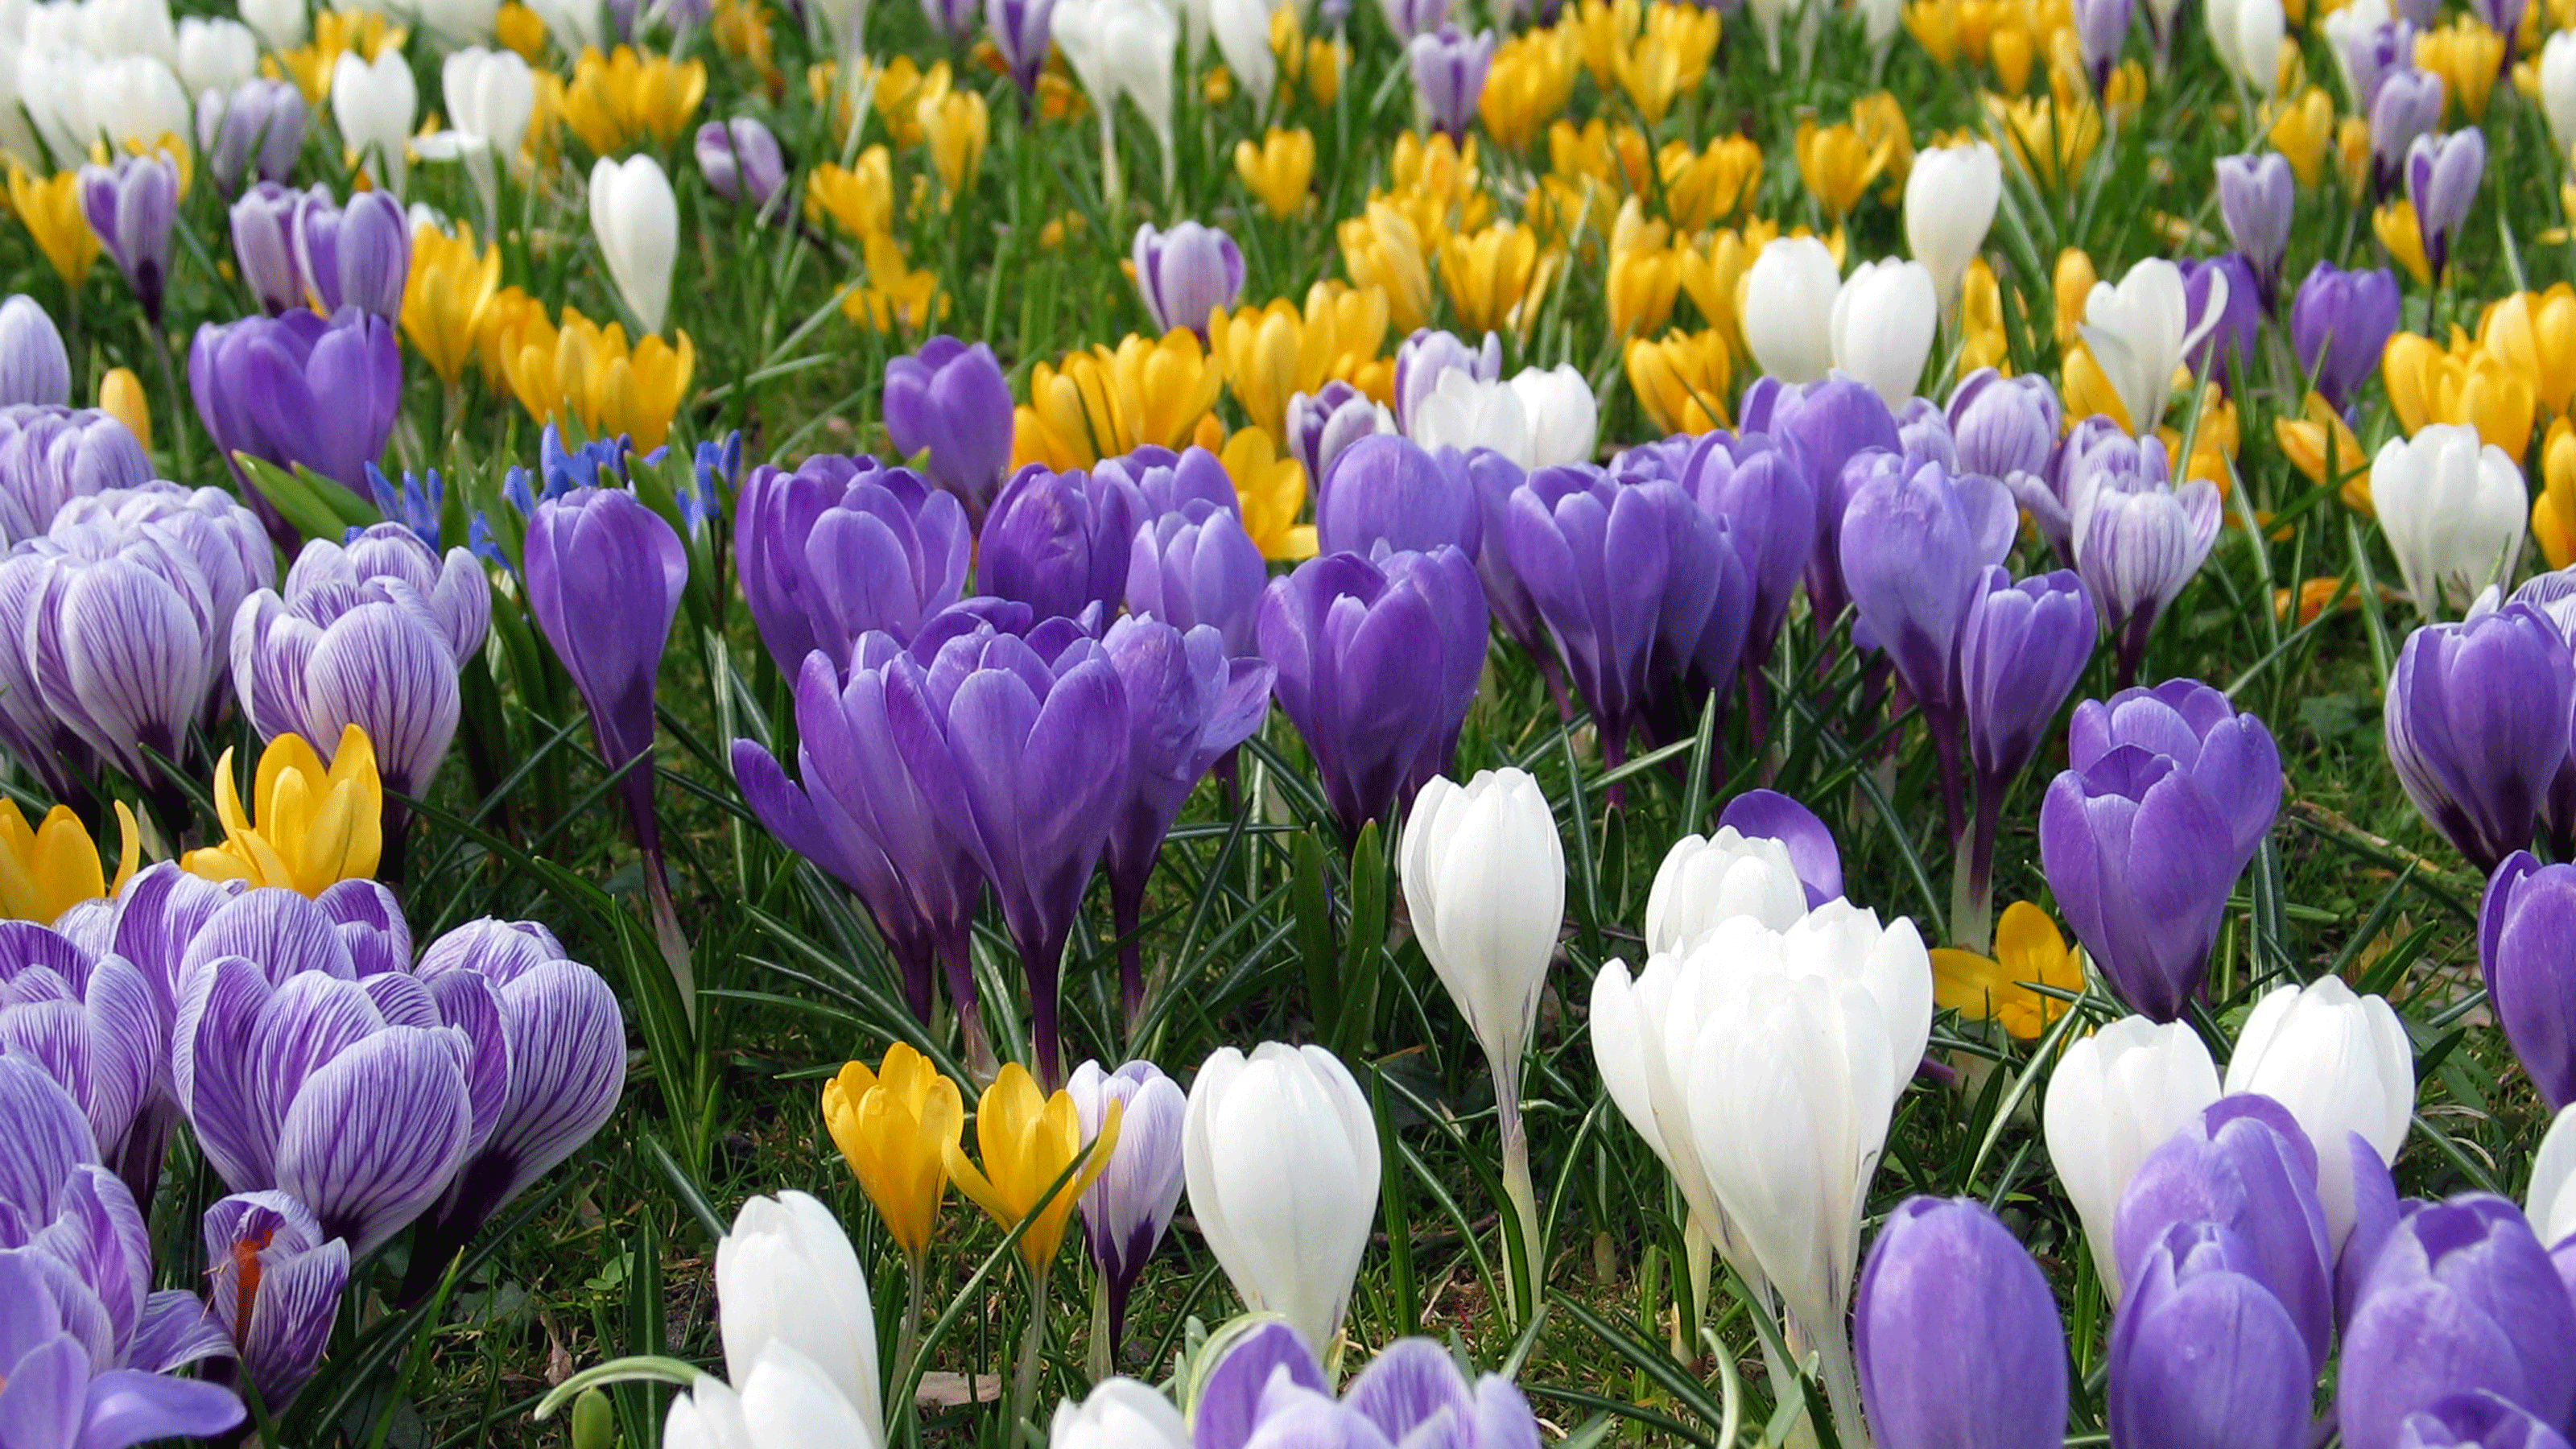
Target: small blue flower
x=414, y=505
x=478, y=537
x=718, y=474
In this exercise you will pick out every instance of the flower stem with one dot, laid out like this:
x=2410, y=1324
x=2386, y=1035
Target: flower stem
x=1527, y=1265
x=1024, y=1383
x=907, y=1334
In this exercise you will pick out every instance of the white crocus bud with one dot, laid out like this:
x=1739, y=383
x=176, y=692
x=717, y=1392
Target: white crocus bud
x=375, y=104
x=2452, y=508
x=2343, y=1067
x=1884, y=320
x=1708, y=879
x=1120, y=1414
x=800, y=1335
x=637, y=221
x=1950, y=200
x=2115, y=1097
x=1789, y=307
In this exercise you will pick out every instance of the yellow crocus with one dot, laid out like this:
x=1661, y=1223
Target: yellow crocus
x=1704, y=188
x=1439, y=185
x=1643, y=284
x=1603, y=30
x=2553, y=513
x=617, y=389
x=2395, y=224
x=1669, y=58
x=2086, y=389
x=2013, y=55
x=1102, y=403
x=1495, y=278
x=2052, y=139
x=1882, y=124
x=2302, y=129
x=1934, y=24
x=1028, y=1140
x=958, y=127
x=895, y=1127
x=51, y=210
x=54, y=867
x=2215, y=438
x=1382, y=248
x=523, y=29
x=1981, y=320
x=2535, y=334
x=1531, y=81
x=1272, y=492
x=508, y=322
x=335, y=32
x=896, y=294
x=618, y=99
x=2071, y=286
x=451, y=289
x=1682, y=380
x=1269, y=354
x=2467, y=56
x=2029, y=952
x=1837, y=166
x=899, y=92
x=1279, y=171
x=120, y=396
x=859, y=199
x=2352, y=153
x=1713, y=274
x=741, y=29
x=2321, y=445
x=2464, y=383
x=314, y=827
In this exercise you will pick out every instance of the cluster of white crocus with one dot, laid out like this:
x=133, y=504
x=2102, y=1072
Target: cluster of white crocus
x=1124, y=47
x=800, y=1339
x=1538, y=418
x=119, y=71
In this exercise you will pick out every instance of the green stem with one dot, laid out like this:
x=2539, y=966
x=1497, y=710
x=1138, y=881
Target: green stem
x=907, y=1333
x=1528, y=1266
x=1024, y=1382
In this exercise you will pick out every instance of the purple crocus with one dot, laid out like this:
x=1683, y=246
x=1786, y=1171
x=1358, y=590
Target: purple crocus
x=58, y=1396
x=1024, y=754
x=131, y=205
x=2021, y=649
x=1768, y=503
x=2227, y=352
x=2460, y=1298
x=2256, y=196
x=2124, y=841
x=2370, y=55
x=119, y=644
x=2230, y=753
x=1409, y=18
x=1825, y=425
x=1957, y=1334
x=1378, y=662
x=1322, y=425
x=1021, y=31
x=2406, y=108
x=2203, y=1355
x=954, y=20
x=92, y=1023
x=1059, y=542
x=1166, y=481
x=1421, y=359
x=2480, y=1420
x=358, y=255
x=1127, y=1208
x=50, y=455
x=741, y=161
x=1268, y=1389
x=274, y=1283
x=257, y=129
x=300, y=390
x=842, y=546
x=1197, y=566
x=2101, y=29
x=2339, y=323
x=2477, y=726
x=1389, y=490
x=1185, y=273
x=1188, y=705
x=2134, y=536
x=950, y=401
x=2004, y=427
x=2527, y=957
x=2442, y=176
x=1915, y=544
x=1449, y=67
x=263, y=232
x=35, y=369
x=1770, y=815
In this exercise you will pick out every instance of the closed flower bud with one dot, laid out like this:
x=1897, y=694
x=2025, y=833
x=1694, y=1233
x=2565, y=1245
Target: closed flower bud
x=1957, y=1334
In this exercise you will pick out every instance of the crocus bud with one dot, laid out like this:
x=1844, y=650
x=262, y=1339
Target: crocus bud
x=1323, y=424
x=2255, y=197
x=2342, y=1065
x=215, y=54
x=1059, y=542
x=52, y=455
x=1449, y=69
x=2406, y=109
x=2231, y=754
x=1281, y=1154
x=2244, y=1167
x=1950, y=200
x=1484, y=880
x=2140, y=331
x=276, y=1284
x=374, y=103
x=1119, y=1413
x=1882, y=324
x=2203, y=1355
x=1126, y=1208
x=2527, y=956
x=1197, y=566
x=298, y=389
x=1789, y=300
x=131, y=205
x=1388, y=489
x=254, y=129
x=842, y=546
x=1770, y=815
x=1827, y=424
x=2460, y=1298
x=604, y=574
x=263, y=227
x=2452, y=509
x=636, y=220
x=1185, y=273
x=1020, y=30
x=741, y=161
x=2339, y=323
x=1564, y=418
x=2134, y=536
x=491, y=96
x=1916, y=543
x=1424, y=356
x=2004, y=427
x=2442, y=176
x=788, y=1280
x=1957, y=1334
x=2124, y=841
x=1409, y=18
x=1705, y=880
x=2115, y=1097
x=2368, y=44
x=357, y=255
x=2101, y=29
x=2021, y=649
x=2477, y=726
x=950, y=401
x=34, y=368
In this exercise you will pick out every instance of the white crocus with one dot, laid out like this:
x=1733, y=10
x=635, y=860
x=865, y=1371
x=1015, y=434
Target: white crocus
x=637, y=222
x=2342, y=1065
x=1464, y=413
x=1708, y=879
x=2558, y=88
x=374, y=104
x=134, y=101
x=2260, y=27
x=1789, y=298
x=800, y=1338
x=1950, y=200
x=1281, y=1155
x=280, y=24
x=458, y=22
x=2551, y=1202
x=491, y=99
x=1120, y=1414
x=1562, y=417
x=785, y=1401
x=1242, y=29
x=1884, y=320
x=576, y=25
x=2140, y=331
x=215, y=54
x=2452, y=509
x=2114, y=1097
x=1122, y=47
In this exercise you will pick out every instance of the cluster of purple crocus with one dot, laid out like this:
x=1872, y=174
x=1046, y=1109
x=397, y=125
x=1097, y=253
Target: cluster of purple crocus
x=341, y=1089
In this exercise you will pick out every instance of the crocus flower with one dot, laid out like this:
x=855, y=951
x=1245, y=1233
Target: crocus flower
x=2524, y=931
x=1188, y=706
x=1427, y=354
x=1378, y=663
x=2442, y=176
x=1027, y=1140
x=255, y=129
x=313, y=827
x=1770, y=815
x=2369, y=45
x=1768, y=502
x=42, y=1351
x=1166, y=481
x=2483, y=1419
x=2134, y=536
x=1788, y=309
x=1020, y=30
x=1281, y=1157
x=358, y=255
x=842, y=546
x=2230, y=753
x=2342, y=1065
x=2477, y=726
x=1130, y=1203
x=1883, y=322
x=1449, y=67
x=1957, y=1334
x=300, y=390
x=275, y=1285
x=374, y=102
x=119, y=640
x=2004, y=427
x=92, y=1022
x=2339, y=322
x=1705, y=880
x=1916, y=543
x=2452, y=509
x=742, y=161
x=2406, y=108
x=636, y=221
x=263, y=235
x=1950, y=199
x=1322, y=425
x=2225, y=289
x=799, y=1331
x=2256, y=195
x=1826, y=424
x=2125, y=841
x=131, y=205
x=2116, y=1096
x=54, y=867
x=1185, y=273
x=2460, y=1298
x=2203, y=1355
x=1268, y=1389
x=2140, y=331
x=35, y=371
x=1197, y=566
x=1059, y=542
x=50, y=455
x=893, y=1126
x=2022, y=647
x=1118, y=1413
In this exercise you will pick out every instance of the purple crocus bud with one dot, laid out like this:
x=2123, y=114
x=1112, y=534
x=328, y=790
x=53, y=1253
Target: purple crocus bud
x=263, y=227
x=2004, y=427
x=955, y=20
x=2477, y=726
x=1425, y=355
x=2124, y=842
x=2461, y=1298
x=2527, y=956
x=2021, y=649
x=1321, y=425
x=2134, y=536
x=1957, y=1334
x=121, y=645
x=358, y=255
x=840, y=547
x=1825, y=425
x=1231, y=1405
x=1449, y=68
x=2480, y=1420
x=742, y=161
x=2101, y=29
x=35, y=370
x=950, y=401
x=300, y=390
x=1185, y=273
x=50, y=455
x=1916, y=543
x=2370, y=54
x=2227, y=352
x=92, y=1023
x=275, y=1285
x=257, y=128
x=1390, y=490
x=2442, y=176
x=1021, y=31
x=1378, y=662
x=1197, y=566
x=1188, y=706
x=1268, y=1390
x=1770, y=815
x=131, y=206
x=1409, y=18
x=2339, y=323
x=1126, y=1209
x=1059, y=542
x=2504, y=17
x=2408, y=106
x=604, y=575
x=2232, y=755
x=2256, y=195
x=1764, y=495
x=2244, y=1166
x=1166, y=482
x=2203, y=1355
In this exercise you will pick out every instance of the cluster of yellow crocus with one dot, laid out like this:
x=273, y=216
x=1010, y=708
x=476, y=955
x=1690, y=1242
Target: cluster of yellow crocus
x=616, y=100
x=1668, y=59
x=1532, y=79
x=1841, y=162
x=2029, y=953
x=1705, y=188
x=2008, y=35
x=1268, y=354
x=921, y=107
x=449, y=297
x=1496, y=278
x=2302, y=126
x=741, y=30
x=1272, y=492
x=2468, y=56
x=860, y=200
x=1437, y=191
x=2466, y=382
x=582, y=371
x=53, y=867
x=1107, y=401
x=309, y=827
x=335, y=32
x=1279, y=171
x=2051, y=135
x=1682, y=380
x=1312, y=66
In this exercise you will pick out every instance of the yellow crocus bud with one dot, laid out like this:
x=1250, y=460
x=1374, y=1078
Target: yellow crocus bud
x=1837, y=166
x=1643, y=284
x=2072, y=287
x=1705, y=188
x=1934, y=24
x=1028, y=1139
x=958, y=127
x=1981, y=320
x=2394, y=223
x=2321, y=445
x=1383, y=248
x=2053, y=140
x=2467, y=56
x=1326, y=59
x=1669, y=59
x=120, y=396
x=51, y=211
x=2086, y=389
x=451, y=288
x=2013, y=55
x=2553, y=513
x=1494, y=278
x=521, y=29
x=55, y=866
x=2029, y=952
x=1279, y=170
x=2535, y=334
x=899, y=92
x=1173, y=381
x=1605, y=27
x=895, y=1127
x=615, y=100
x=2301, y=129
x=313, y=827
x=1681, y=381
x=1713, y=273
x=1532, y=79
x=2352, y=153
x=859, y=199
x=1272, y=492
